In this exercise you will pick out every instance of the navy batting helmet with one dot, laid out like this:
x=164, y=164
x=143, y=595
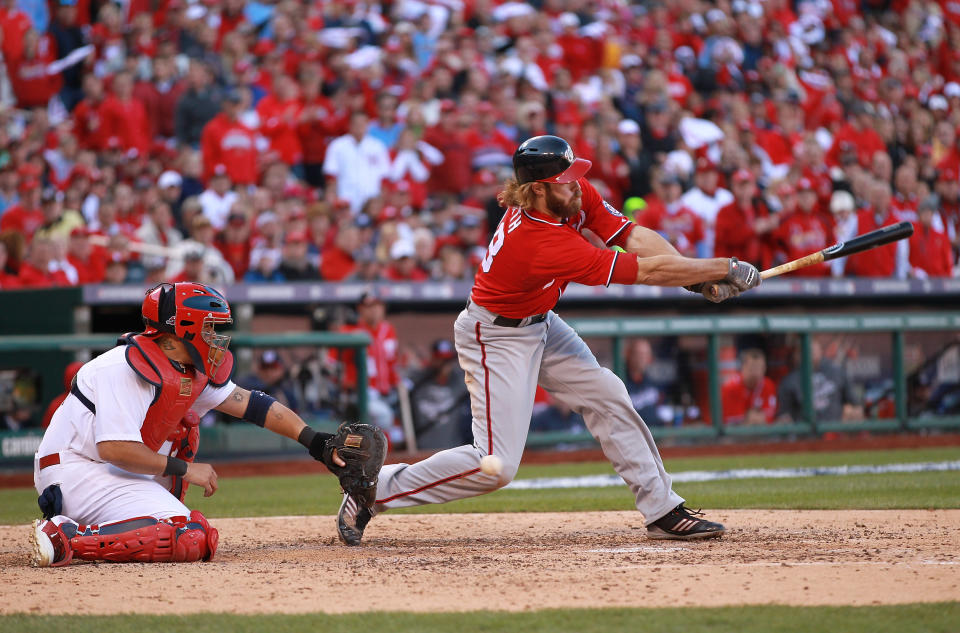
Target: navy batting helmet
x=548, y=159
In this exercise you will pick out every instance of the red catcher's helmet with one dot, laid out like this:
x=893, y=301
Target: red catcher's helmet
x=191, y=312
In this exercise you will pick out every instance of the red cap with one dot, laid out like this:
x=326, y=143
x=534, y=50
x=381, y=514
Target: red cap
x=705, y=164
x=448, y=105
x=296, y=236
x=80, y=231
x=29, y=184
x=804, y=184
x=484, y=177
x=743, y=175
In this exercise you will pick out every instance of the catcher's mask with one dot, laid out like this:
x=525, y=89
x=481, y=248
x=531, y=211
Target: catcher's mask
x=191, y=312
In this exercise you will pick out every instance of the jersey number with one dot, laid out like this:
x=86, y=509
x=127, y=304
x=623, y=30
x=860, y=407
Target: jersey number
x=497, y=242
x=495, y=245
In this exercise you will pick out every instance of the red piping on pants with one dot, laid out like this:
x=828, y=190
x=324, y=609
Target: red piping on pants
x=486, y=390
x=431, y=485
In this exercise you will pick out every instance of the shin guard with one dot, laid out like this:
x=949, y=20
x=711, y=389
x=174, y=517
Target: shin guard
x=145, y=539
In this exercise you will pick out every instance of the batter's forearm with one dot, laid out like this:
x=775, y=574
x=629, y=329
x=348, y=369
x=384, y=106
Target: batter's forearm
x=133, y=457
x=646, y=243
x=676, y=270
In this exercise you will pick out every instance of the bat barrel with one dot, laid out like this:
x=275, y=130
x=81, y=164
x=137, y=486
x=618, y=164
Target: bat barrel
x=873, y=239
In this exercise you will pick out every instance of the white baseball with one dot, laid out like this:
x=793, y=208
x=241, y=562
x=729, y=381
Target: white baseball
x=491, y=465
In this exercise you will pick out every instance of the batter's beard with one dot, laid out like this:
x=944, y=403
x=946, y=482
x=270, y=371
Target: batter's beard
x=563, y=211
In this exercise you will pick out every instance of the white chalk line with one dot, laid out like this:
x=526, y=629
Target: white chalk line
x=607, y=481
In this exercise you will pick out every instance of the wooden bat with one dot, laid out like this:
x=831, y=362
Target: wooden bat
x=858, y=244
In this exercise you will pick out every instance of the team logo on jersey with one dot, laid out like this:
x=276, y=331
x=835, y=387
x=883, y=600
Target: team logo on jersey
x=611, y=210
x=186, y=386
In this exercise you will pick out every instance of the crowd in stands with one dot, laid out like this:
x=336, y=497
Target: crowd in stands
x=257, y=141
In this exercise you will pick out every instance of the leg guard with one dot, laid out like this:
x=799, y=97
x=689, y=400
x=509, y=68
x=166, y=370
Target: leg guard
x=145, y=540
x=186, y=442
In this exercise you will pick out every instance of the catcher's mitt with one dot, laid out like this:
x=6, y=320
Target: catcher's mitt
x=363, y=447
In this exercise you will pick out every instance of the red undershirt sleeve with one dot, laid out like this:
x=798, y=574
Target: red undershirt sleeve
x=624, y=269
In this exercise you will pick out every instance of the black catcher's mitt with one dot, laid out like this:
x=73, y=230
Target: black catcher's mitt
x=363, y=447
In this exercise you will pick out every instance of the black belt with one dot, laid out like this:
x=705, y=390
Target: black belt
x=503, y=321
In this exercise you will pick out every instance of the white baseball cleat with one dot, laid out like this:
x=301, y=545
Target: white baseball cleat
x=43, y=550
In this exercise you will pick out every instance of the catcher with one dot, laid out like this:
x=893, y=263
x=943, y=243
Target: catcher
x=116, y=460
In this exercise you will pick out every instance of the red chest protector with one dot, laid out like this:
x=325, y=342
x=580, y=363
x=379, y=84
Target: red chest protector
x=175, y=389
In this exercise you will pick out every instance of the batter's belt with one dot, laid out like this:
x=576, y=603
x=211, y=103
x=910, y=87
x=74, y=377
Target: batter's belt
x=503, y=321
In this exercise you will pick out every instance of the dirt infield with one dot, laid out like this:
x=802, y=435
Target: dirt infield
x=515, y=562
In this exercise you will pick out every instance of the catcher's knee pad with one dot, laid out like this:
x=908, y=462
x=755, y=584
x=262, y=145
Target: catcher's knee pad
x=146, y=540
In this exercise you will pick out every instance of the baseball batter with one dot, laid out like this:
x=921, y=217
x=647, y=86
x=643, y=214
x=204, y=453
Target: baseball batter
x=115, y=462
x=509, y=340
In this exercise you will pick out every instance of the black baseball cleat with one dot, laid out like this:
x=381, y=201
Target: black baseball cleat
x=683, y=524
x=352, y=520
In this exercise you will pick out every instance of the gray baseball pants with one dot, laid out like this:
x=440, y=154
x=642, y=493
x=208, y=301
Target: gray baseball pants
x=503, y=366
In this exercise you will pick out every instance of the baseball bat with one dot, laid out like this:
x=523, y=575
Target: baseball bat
x=858, y=244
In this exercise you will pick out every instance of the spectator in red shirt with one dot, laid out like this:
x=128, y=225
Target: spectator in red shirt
x=159, y=96
x=860, y=132
x=677, y=224
x=89, y=261
x=404, y=265
x=882, y=261
x=802, y=232
x=234, y=242
x=750, y=397
x=745, y=227
x=227, y=141
x=36, y=271
x=338, y=262
x=32, y=85
x=26, y=216
x=319, y=122
x=452, y=137
x=382, y=356
x=279, y=115
x=126, y=117
x=88, y=116
x=930, y=251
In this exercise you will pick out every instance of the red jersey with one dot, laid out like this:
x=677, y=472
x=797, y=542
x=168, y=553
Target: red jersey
x=335, y=264
x=31, y=277
x=127, y=122
x=930, y=251
x=31, y=84
x=876, y=262
x=381, y=357
x=738, y=399
x=532, y=257
x=801, y=234
x=89, y=125
x=279, y=124
x=22, y=220
x=232, y=144
x=735, y=236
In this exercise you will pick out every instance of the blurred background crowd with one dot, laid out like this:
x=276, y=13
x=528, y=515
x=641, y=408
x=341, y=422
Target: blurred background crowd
x=232, y=141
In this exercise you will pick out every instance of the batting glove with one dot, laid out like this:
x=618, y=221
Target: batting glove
x=742, y=276
x=715, y=291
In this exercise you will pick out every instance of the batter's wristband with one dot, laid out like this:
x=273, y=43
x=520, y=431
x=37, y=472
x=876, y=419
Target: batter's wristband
x=175, y=467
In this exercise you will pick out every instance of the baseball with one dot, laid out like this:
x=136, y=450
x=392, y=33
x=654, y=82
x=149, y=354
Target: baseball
x=491, y=465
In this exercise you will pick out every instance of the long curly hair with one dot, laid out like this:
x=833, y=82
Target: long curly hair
x=516, y=195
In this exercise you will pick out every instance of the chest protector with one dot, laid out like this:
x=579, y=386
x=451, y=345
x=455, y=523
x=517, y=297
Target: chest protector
x=176, y=387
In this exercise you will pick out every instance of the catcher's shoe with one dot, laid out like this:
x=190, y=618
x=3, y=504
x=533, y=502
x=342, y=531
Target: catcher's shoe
x=352, y=520
x=683, y=524
x=51, y=548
